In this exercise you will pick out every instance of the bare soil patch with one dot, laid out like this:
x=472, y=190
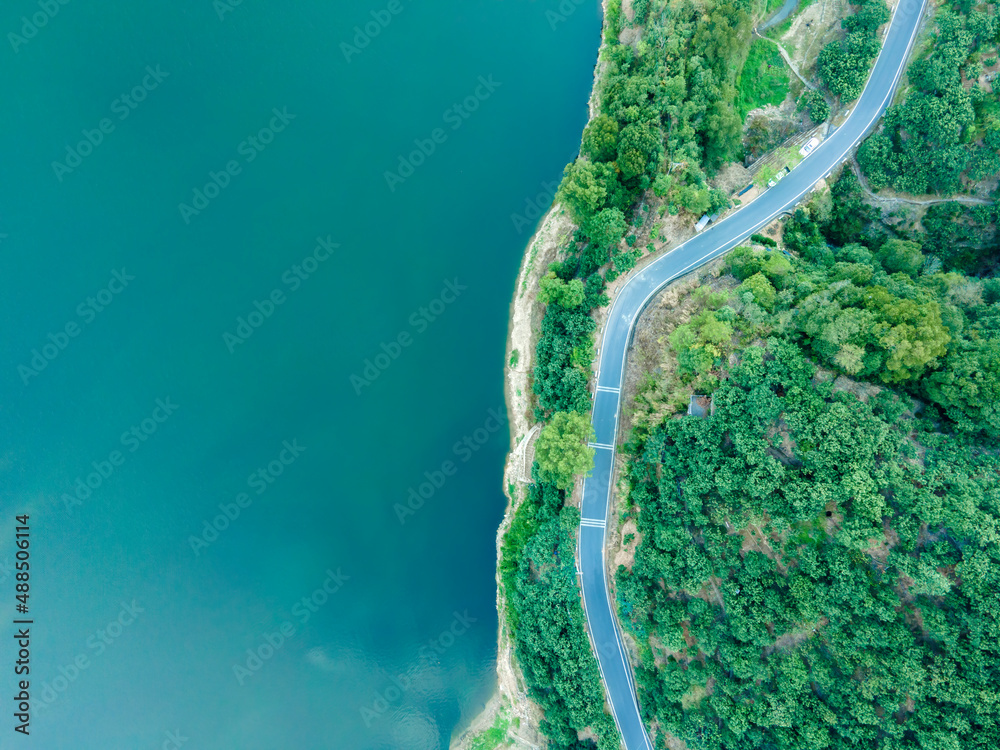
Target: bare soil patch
x=731, y=178
x=755, y=539
x=625, y=554
x=812, y=28
x=792, y=639
x=649, y=361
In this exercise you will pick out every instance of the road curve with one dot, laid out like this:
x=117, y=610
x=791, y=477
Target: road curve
x=605, y=636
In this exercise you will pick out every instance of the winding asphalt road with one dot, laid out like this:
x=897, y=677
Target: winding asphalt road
x=628, y=304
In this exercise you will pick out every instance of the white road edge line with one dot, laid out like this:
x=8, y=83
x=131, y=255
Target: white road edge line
x=834, y=162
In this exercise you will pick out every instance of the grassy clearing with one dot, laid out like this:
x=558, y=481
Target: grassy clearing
x=494, y=736
x=763, y=80
x=787, y=157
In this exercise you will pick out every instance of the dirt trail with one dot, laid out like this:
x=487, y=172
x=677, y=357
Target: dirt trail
x=788, y=61
x=894, y=200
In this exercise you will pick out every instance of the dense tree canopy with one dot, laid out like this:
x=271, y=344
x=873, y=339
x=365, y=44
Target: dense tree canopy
x=806, y=579
x=600, y=139
x=943, y=128
x=855, y=299
x=815, y=569
x=818, y=107
x=666, y=108
x=565, y=346
x=887, y=313
x=554, y=290
x=538, y=572
x=844, y=65
x=587, y=187
x=606, y=228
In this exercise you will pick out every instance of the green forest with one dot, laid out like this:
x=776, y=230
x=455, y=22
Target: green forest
x=844, y=65
x=675, y=83
x=945, y=133
x=538, y=574
x=665, y=101
x=818, y=564
x=815, y=571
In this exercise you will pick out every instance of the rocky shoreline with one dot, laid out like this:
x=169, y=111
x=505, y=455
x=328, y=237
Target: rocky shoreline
x=511, y=700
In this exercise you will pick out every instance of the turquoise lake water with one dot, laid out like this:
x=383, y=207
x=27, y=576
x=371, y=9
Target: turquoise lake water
x=243, y=568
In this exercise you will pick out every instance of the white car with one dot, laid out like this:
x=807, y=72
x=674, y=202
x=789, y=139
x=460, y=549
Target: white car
x=810, y=145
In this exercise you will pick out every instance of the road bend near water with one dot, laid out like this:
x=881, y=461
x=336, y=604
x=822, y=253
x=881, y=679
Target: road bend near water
x=628, y=304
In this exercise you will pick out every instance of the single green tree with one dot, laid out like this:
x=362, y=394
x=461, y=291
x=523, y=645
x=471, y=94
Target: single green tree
x=762, y=290
x=850, y=358
x=638, y=146
x=901, y=256
x=875, y=157
x=581, y=190
x=561, y=449
x=694, y=199
x=606, y=228
x=818, y=108
x=600, y=139
x=553, y=290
